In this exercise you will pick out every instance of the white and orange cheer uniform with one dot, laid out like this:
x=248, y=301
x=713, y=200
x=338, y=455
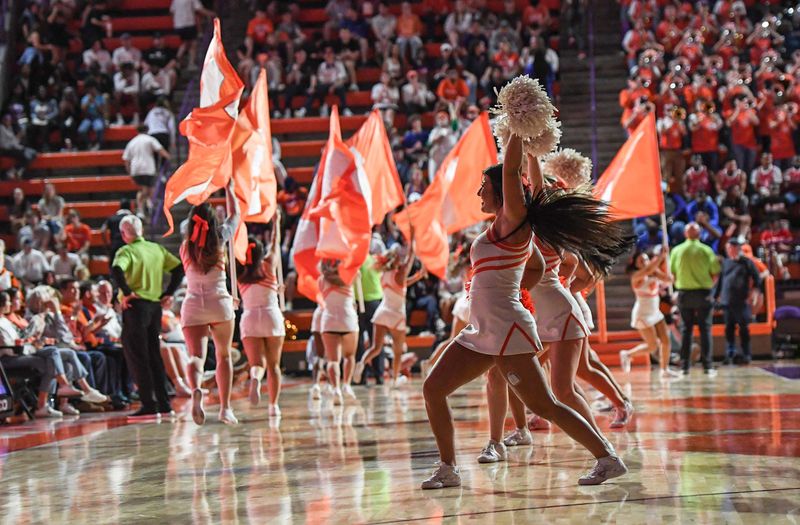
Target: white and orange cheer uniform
x=646, y=312
x=339, y=311
x=261, y=316
x=498, y=322
x=207, y=298
x=588, y=319
x=558, y=316
x=391, y=312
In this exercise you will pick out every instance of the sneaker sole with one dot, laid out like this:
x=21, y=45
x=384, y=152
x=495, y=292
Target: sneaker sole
x=617, y=473
x=255, y=393
x=198, y=414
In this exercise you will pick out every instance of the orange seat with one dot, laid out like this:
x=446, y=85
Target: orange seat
x=142, y=23
x=120, y=133
x=314, y=124
x=78, y=159
x=143, y=42
x=302, y=148
x=68, y=185
x=303, y=175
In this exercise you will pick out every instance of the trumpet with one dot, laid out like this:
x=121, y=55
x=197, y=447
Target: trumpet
x=709, y=107
x=678, y=113
x=291, y=330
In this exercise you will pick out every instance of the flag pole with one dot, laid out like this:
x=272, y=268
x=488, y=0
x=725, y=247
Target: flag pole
x=231, y=250
x=665, y=245
x=279, y=265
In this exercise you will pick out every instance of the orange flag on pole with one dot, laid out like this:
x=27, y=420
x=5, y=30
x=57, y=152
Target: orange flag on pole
x=253, y=171
x=345, y=206
x=451, y=202
x=370, y=146
x=632, y=182
x=209, y=129
x=304, y=246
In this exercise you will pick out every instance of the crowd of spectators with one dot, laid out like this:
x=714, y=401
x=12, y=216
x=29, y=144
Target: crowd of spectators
x=723, y=79
x=61, y=100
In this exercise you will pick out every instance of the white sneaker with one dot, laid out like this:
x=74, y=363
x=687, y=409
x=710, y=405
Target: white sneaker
x=444, y=476
x=300, y=113
x=255, y=391
x=337, y=396
x=347, y=113
x=358, y=372
x=274, y=410
x=625, y=361
x=622, y=415
x=276, y=114
x=287, y=114
x=316, y=391
x=400, y=381
x=353, y=87
x=324, y=110
x=494, y=452
x=93, y=396
x=226, y=416
x=198, y=414
x=668, y=374
x=68, y=410
x=47, y=411
x=519, y=437
x=606, y=468
x=348, y=391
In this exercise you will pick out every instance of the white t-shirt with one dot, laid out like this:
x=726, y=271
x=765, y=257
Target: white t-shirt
x=183, y=12
x=65, y=267
x=140, y=152
x=122, y=55
x=31, y=266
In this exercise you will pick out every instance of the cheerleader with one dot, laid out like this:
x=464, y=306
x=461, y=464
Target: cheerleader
x=262, y=325
x=208, y=305
x=647, y=276
x=390, y=316
x=339, y=327
x=502, y=332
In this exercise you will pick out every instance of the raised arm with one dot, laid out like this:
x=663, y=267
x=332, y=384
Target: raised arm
x=232, y=205
x=535, y=176
x=513, y=201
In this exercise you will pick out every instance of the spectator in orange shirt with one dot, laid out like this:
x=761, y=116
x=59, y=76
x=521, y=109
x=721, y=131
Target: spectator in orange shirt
x=671, y=134
x=705, y=124
x=743, y=122
x=641, y=108
x=452, y=89
x=409, y=29
x=78, y=235
x=782, y=124
x=507, y=60
x=259, y=27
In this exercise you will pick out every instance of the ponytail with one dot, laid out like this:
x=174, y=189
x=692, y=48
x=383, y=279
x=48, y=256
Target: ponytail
x=579, y=223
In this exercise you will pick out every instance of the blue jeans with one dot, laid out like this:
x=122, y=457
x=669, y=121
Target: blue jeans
x=96, y=124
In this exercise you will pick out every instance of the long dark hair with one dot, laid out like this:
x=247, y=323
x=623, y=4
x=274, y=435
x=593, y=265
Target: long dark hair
x=203, y=252
x=253, y=270
x=573, y=221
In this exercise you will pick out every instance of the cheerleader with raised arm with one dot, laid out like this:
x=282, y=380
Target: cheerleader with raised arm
x=339, y=328
x=502, y=332
x=647, y=276
x=208, y=306
x=262, y=325
x=390, y=316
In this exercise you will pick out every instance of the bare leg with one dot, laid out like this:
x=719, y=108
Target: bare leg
x=649, y=345
x=398, y=349
x=594, y=360
x=222, y=333
x=457, y=326
x=274, y=348
x=197, y=344
x=564, y=359
x=349, y=345
x=664, y=344
x=497, y=396
x=333, y=354
x=378, y=333
x=456, y=367
x=517, y=409
x=595, y=378
x=256, y=356
x=527, y=379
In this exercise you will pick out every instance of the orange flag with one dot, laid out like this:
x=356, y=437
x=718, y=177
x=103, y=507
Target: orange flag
x=209, y=129
x=451, y=202
x=632, y=182
x=304, y=246
x=370, y=146
x=345, y=206
x=253, y=172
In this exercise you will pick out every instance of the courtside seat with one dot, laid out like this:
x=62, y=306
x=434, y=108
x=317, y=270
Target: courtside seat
x=125, y=24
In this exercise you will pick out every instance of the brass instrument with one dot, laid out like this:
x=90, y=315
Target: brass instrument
x=678, y=113
x=291, y=330
x=709, y=107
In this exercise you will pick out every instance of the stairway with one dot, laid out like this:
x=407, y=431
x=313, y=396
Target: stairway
x=599, y=135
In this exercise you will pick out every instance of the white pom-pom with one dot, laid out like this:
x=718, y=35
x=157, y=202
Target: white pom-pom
x=568, y=165
x=501, y=131
x=526, y=105
x=545, y=142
